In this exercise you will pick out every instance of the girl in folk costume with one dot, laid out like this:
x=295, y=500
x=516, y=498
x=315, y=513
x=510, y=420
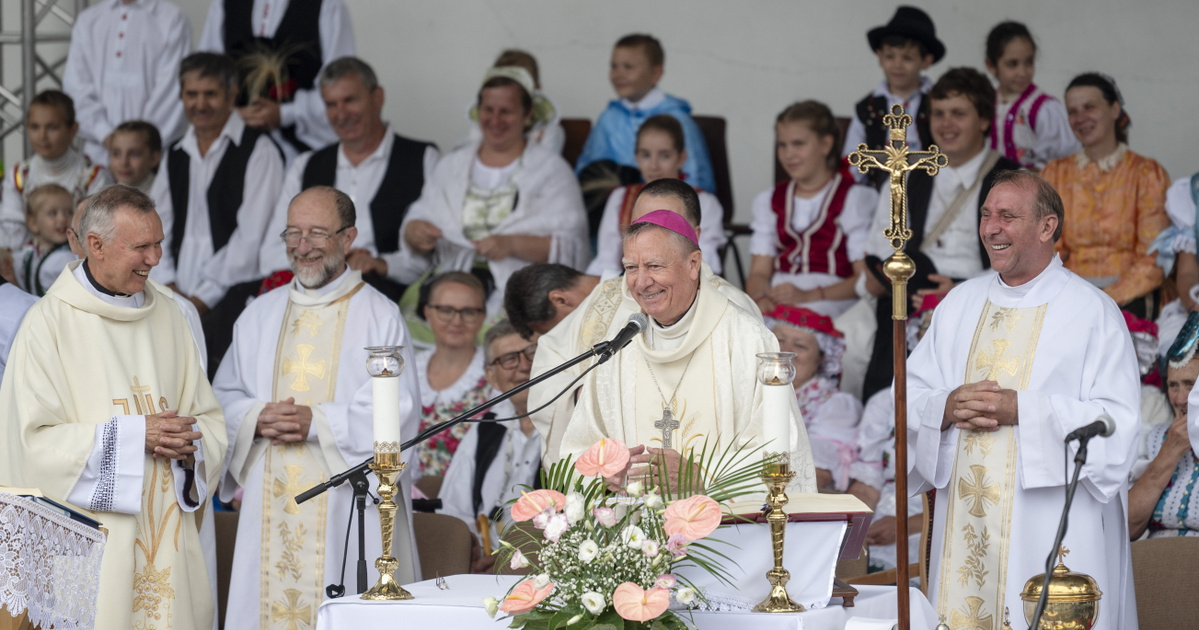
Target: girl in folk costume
x=661, y=153
x=1114, y=199
x=1030, y=126
x=830, y=415
x=809, y=232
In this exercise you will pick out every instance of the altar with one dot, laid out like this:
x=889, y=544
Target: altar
x=458, y=604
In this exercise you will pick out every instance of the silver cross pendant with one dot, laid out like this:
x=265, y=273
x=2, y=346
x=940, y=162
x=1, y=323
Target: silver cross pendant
x=667, y=424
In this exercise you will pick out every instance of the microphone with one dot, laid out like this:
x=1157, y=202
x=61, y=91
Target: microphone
x=1103, y=426
x=637, y=323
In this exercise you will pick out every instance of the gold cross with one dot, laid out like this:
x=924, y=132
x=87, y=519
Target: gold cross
x=291, y=486
x=895, y=158
x=1062, y=552
x=291, y=611
x=303, y=368
x=978, y=491
x=308, y=320
x=994, y=362
x=137, y=387
x=970, y=616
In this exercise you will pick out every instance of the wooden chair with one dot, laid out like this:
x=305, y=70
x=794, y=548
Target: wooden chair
x=1164, y=575
x=225, y=524
x=576, y=130
x=430, y=485
x=919, y=568
x=713, y=129
x=443, y=543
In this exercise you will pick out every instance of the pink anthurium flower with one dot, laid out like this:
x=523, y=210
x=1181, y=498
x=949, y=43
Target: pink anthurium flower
x=531, y=504
x=695, y=517
x=605, y=458
x=635, y=604
x=525, y=597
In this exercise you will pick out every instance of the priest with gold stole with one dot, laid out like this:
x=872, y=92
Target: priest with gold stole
x=1014, y=361
x=104, y=405
x=690, y=377
x=298, y=402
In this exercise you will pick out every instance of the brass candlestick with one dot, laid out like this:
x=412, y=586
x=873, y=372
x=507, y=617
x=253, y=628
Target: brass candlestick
x=387, y=467
x=776, y=475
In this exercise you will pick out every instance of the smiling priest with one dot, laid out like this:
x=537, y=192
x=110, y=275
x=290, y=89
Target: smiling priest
x=1013, y=362
x=690, y=377
x=105, y=406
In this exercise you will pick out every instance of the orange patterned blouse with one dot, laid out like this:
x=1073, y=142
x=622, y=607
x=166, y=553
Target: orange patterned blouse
x=1114, y=210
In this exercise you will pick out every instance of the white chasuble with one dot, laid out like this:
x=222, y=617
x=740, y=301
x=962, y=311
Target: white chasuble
x=983, y=483
x=80, y=378
x=293, y=554
x=710, y=356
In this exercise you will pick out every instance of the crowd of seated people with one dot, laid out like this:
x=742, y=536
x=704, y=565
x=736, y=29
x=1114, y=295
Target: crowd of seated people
x=223, y=151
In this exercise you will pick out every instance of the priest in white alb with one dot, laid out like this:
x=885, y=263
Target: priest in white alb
x=575, y=311
x=299, y=407
x=1014, y=361
x=105, y=406
x=690, y=378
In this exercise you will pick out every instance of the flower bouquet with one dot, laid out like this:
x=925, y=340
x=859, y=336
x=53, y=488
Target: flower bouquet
x=608, y=559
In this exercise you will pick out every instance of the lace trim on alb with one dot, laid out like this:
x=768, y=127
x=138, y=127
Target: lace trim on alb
x=106, y=486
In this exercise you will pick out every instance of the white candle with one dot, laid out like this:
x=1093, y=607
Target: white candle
x=386, y=391
x=776, y=416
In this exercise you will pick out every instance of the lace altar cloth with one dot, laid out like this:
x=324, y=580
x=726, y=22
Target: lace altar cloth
x=49, y=565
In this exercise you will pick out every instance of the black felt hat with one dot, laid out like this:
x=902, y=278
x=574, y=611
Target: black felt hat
x=911, y=23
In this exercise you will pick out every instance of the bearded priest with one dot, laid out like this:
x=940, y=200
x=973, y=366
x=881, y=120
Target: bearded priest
x=1014, y=361
x=105, y=406
x=690, y=377
x=299, y=406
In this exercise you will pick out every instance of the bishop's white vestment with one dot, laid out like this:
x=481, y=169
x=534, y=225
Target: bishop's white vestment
x=308, y=345
x=584, y=327
x=710, y=357
x=1063, y=346
x=85, y=370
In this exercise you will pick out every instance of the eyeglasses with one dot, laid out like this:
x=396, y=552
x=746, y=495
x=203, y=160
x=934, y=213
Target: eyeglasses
x=512, y=359
x=469, y=315
x=315, y=239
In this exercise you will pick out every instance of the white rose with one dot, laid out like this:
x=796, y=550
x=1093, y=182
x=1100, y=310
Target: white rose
x=491, y=605
x=653, y=501
x=650, y=548
x=588, y=550
x=519, y=561
x=634, y=489
x=556, y=527
x=685, y=596
x=541, y=580
x=594, y=602
x=633, y=536
x=575, y=507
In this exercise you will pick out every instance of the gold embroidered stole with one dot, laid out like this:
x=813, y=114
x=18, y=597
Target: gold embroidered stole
x=973, y=575
x=157, y=545
x=293, y=536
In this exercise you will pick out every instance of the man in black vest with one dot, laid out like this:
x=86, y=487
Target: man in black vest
x=215, y=193
x=307, y=34
x=942, y=210
x=495, y=460
x=378, y=168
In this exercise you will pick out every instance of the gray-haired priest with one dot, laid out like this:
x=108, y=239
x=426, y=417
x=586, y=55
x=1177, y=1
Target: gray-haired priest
x=105, y=406
x=299, y=406
x=1014, y=361
x=690, y=378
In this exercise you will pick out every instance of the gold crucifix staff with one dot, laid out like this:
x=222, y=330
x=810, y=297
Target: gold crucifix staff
x=897, y=160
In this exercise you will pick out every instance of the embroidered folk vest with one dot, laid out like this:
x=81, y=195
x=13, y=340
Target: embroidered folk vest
x=821, y=247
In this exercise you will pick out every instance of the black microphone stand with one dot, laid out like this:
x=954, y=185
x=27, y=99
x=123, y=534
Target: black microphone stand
x=1080, y=458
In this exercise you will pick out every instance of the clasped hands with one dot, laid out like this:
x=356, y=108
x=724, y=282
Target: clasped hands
x=170, y=435
x=650, y=466
x=981, y=406
x=284, y=422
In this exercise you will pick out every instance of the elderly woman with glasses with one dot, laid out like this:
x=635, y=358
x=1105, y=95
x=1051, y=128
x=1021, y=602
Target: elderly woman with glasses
x=451, y=374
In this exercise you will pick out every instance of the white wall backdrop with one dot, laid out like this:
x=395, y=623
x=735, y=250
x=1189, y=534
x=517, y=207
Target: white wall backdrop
x=746, y=60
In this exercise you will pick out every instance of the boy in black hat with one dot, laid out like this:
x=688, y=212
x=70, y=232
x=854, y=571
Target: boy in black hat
x=906, y=46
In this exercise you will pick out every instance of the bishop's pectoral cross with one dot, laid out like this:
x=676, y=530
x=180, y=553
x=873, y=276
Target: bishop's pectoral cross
x=667, y=424
x=898, y=161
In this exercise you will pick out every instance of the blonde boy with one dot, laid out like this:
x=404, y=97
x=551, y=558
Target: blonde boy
x=47, y=216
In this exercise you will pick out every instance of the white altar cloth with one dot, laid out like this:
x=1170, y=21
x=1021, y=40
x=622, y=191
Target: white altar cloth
x=460, y=606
